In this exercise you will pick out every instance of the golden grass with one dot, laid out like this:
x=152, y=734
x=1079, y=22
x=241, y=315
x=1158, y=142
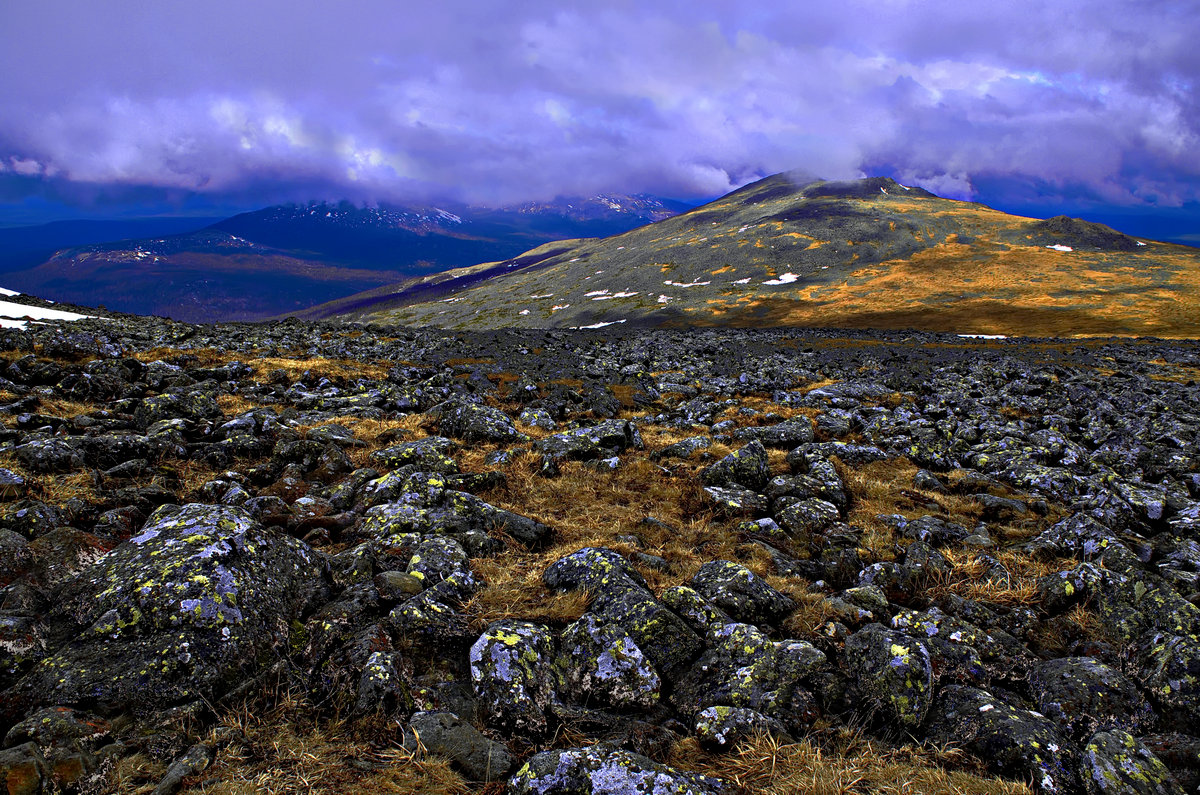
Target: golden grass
x=288, y=748
x=847, y=764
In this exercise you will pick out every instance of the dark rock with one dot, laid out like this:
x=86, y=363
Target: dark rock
x=183, y=610
x=445, y=734
x=894, y=672
x=741, y=593
x=1115, y=762
x=1013, y=741
x=1084, y=696
x=511, y=668
x=474, y=423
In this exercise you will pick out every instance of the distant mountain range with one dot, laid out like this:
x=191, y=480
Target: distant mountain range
x=287, y=258
x=870, y=253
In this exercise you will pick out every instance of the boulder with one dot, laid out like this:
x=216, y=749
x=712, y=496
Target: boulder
x=741, y=593
x=1014, y=742
x=602, y=770
x=1115, y=763
x=512, y=673
x=445, y=734
x=184, y=610
x=893, y=672
x=600, y=663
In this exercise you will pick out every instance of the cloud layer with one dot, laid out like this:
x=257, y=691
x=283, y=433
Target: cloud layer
x=494, y=101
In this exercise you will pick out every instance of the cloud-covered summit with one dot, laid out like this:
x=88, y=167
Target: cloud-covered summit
x=490, y=101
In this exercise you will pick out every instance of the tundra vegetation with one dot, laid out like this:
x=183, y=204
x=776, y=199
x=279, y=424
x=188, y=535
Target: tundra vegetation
x=337, y=558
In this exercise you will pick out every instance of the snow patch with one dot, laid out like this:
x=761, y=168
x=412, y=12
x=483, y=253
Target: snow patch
x=602, y=325
x=666, y=299
x=595, y=292
x=523, y=312
x=14, y=315
x=3, y=291
x=1060, y=247
x=743, y=281
x=786, y=278
x=670, y=283
x=1140, y=243
x=557, y=307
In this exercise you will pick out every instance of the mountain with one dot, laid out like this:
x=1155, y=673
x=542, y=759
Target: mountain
x=870, y=253
x=24, y=247
x=286, y=258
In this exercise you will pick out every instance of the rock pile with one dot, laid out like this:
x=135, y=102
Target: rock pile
x=995, y=545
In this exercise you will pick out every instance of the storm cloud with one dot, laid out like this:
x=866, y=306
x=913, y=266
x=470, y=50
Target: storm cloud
x=490, y=101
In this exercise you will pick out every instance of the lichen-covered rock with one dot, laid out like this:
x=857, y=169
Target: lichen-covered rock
x=807, y=517
x=1133, y=605
x=591, y=568
x=602, y=770
x=1013, y=741
x=601, y=440
x=1170, y=672
x=662, y=636
x=786, y=434
x=1061, y=590
x=720, y=728
x=512, y=673
x=472, y=422
x=1115, y=763
x=381, y=688
x=183, y=610
x=746, y=467
x=741, y=593
x=445, y=734
x=736, y=499
x=893, y=671
x=1083, y=696
x=194, y=405
x=431, y=454
x=601, y=663
x=700, y=614
x=744, y=668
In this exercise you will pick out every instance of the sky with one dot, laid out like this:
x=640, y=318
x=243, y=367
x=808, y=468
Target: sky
x=127, y=107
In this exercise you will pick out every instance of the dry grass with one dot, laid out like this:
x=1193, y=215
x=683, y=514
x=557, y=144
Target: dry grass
x=968, y=578
x=288, y=749
x=590, y=508
x=848, y=765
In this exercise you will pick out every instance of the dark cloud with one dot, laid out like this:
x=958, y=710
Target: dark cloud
x=496, y=101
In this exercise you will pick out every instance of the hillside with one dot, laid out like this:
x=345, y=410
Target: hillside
x=865, y=254
x=284, y=259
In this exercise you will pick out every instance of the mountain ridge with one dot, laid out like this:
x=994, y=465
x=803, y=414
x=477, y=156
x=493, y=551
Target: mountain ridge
x=864, y=253
x=285, y=258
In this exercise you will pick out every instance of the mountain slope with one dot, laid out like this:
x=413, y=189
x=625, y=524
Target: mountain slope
x=868, y=253
x=283, y=259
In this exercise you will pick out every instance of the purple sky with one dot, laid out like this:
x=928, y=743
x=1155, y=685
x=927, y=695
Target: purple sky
x=249, y=102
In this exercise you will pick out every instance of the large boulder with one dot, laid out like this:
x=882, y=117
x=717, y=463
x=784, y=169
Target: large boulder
x=602, y=770
x=1014, y=741
x=184, y=610
x=1083, y=695
x=893, y=671
x=512, y=672
x=600, y=663
x=741, y=593
x=1115, y=763
x=474, y=423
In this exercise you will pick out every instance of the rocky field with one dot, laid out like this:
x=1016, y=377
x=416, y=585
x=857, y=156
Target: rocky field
x=329, y=558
